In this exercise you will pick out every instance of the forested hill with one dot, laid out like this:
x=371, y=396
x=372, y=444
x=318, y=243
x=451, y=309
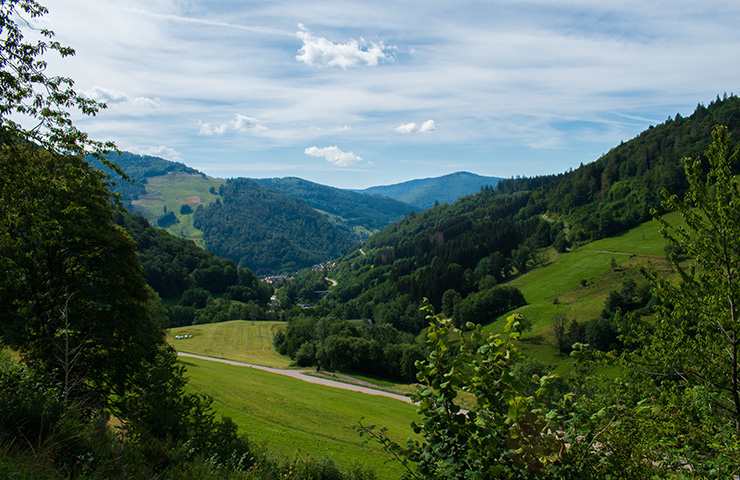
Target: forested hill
x=139, y=168
x=268, y=231
x=483, y=240
x=352, y=208
x=425, y=192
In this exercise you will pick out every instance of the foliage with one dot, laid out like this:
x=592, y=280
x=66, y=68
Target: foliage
x=350, y=347
x=187, y=276
x=696, y=339
x=31, y=95
x=510, y=432
x=73, y=295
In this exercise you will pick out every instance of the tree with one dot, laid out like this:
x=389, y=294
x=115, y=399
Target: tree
x=509, y=432
x=70, y=271
x=697, y=336
x=29, y=92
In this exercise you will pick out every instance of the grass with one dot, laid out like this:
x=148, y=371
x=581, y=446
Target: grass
x=576, y=284
x=247, y=341
x=291, y=417
x=173, y=191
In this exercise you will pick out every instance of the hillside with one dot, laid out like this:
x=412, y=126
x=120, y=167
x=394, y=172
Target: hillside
x=267, y=231
x=363, y=213
x=471, y=257
x=426, y=192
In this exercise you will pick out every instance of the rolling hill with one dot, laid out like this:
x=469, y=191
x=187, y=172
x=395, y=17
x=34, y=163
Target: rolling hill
x=425, y=192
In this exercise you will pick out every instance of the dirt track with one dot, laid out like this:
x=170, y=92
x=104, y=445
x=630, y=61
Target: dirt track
x=299, y=375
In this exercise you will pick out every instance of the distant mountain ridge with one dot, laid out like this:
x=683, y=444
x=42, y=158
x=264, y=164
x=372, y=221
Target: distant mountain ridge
x=425, y=192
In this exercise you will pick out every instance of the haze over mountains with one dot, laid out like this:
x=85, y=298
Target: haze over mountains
x=425, y=192
x=273, y=225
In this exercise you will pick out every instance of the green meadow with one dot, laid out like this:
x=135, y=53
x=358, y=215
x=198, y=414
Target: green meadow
x=576, y=283
x=246, y=341
x=173, y=191
x=290, y=417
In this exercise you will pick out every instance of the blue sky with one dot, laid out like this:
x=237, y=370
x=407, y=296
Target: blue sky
x=354, y=94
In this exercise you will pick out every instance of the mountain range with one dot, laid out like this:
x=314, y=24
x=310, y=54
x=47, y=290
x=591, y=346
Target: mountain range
x=272, y=225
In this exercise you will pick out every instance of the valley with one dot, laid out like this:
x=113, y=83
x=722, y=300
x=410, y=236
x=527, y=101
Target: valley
x=577, y=317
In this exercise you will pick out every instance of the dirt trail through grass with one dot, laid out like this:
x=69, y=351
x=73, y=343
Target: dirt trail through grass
x=299, y=375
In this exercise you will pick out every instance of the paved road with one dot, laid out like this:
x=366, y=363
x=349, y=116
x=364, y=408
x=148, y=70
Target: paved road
x=299, y=375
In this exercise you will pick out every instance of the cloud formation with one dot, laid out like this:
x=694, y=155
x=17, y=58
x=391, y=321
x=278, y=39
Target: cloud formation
x=413, y=127
x=161, y=151
x=114, y=97
x=334, y=155
x=240, y=123
x=322, y=52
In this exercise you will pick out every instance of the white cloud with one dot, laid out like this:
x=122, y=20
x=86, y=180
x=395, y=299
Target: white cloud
x=334, y=155
x=322, y=52
x=240, y=123
x=114, y=97
x=427, y=126
x=163, y=151
x=406, y=128
x=413, y=127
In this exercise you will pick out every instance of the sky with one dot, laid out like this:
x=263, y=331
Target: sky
x=354, y=94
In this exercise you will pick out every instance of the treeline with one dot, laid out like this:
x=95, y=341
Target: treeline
x=195, y=285
x=350, y=346
x=269, y=232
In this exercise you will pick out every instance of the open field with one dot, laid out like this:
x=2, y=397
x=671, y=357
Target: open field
x=246, y=341
x=576, y=283
x=173, y=191
x=291, y=417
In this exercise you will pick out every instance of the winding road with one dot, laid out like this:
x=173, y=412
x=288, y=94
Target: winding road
x=299, y=375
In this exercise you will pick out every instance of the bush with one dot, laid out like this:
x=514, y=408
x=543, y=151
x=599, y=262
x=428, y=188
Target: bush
x=167, y=220
x=306, y=355
x=484, y=306
x=186, y=209
x=180, y=316
x=195, y=297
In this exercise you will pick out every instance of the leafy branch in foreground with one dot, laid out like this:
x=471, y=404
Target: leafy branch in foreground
x=36, y=106
x=512, y=431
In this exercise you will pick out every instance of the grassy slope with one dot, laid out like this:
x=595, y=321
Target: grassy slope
x=247, y=341
x=561, y=278
x=296, y=418
x=173, y=191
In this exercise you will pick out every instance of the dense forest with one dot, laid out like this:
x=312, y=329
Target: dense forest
x=361, y=212
x=195, y=285
x=269, y=232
